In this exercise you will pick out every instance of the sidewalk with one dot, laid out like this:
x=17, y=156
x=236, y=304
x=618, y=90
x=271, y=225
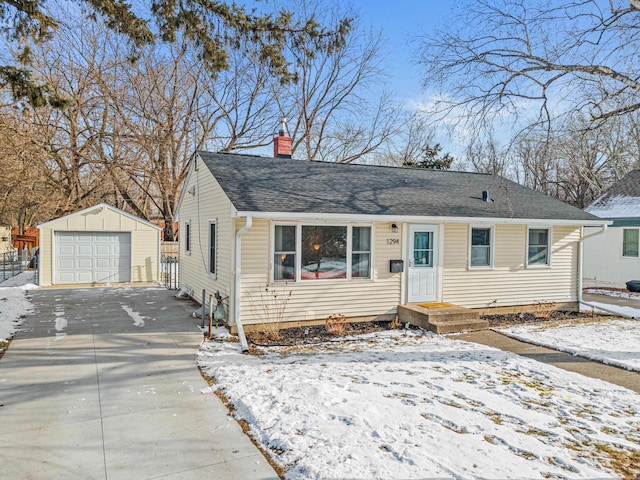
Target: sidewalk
x=101, y=383
x=566, y=361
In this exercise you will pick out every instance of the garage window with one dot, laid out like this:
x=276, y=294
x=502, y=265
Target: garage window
x=212, y=248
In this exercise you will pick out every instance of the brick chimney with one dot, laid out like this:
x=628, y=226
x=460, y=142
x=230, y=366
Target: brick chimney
x=282, y=143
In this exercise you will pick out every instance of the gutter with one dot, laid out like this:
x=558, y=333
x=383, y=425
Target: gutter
x=350, y=217
x=580, y=262
x=237, y=279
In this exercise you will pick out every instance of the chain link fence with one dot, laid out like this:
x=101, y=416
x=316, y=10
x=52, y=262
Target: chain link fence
x=17, y=261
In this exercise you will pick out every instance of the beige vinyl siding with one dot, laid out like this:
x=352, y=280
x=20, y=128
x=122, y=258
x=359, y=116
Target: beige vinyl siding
x=510, y=282
x=316, y=300
x=208, y=204
x=46, y=256
x=144, y=260
x=145, y=240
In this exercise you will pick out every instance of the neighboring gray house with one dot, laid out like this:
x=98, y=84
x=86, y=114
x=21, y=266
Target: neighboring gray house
x=360, y=240
x=611, y=258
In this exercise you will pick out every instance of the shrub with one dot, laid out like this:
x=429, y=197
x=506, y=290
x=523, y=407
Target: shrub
x=335, y=324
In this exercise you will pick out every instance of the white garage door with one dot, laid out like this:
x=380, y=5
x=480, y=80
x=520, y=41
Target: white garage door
x=88, y=257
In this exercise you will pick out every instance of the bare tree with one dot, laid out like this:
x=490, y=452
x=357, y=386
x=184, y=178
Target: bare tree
x=487, y=157
x=211, y=27
x=26, y=194
x=338, y=109
x=536, y=60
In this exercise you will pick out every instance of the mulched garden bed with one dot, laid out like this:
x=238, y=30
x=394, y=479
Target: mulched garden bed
x=313, y=334
x=521, y=318
x=318, y=333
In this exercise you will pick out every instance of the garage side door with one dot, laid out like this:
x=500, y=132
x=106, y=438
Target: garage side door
x=88, y=257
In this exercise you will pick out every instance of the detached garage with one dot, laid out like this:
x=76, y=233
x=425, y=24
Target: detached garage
x=101, y=244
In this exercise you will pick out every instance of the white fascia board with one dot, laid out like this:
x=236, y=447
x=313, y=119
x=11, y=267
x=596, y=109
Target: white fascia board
x=337, y=217
x=101, y=206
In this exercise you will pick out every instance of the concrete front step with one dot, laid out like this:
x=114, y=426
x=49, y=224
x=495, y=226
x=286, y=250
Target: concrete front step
x=441, y=317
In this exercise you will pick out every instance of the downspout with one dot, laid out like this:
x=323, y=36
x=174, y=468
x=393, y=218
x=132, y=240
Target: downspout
x=580, y=262
x=236, y=296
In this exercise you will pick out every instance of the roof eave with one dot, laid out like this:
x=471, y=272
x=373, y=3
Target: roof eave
x=294, y=216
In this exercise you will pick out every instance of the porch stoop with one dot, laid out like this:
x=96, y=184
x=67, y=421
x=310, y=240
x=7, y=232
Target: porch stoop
x=441, y=317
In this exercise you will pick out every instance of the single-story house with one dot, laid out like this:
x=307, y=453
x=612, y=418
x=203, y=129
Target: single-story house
x=611, y=258
x=5, y=239
x=359, y=240
x=100, y=244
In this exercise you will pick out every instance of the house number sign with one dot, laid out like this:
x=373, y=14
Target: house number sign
x=393, y=241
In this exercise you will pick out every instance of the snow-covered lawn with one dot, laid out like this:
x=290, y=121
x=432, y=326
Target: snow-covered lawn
x=410, y=404
x=614, y=342
x=14, y=304
x=407, y=404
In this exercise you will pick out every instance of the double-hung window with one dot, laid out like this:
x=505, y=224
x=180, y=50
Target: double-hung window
x=321, y=252
x=480, y=254
x=212, y=247
x=361, y=252
x=538, y=247
x=630, y=239
x=284, y=252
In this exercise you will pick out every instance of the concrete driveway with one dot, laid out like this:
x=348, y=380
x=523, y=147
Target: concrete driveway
x=102, y=384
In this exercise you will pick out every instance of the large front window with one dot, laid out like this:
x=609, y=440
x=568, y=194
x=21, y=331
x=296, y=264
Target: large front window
x=324, y=252
x=321, y=252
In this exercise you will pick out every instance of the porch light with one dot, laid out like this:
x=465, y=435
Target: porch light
x=394, y=228
x=316, y=246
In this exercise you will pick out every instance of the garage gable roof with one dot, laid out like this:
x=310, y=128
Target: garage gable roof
x=101, y=206
x=270, y=185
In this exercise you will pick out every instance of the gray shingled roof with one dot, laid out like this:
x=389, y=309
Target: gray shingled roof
x=263, y=184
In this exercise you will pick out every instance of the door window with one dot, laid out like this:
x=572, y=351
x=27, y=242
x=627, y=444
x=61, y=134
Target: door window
x=423, y=249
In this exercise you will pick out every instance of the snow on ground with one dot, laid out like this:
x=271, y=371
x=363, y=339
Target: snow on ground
x=613, y=293
x=14, y=304
x=405, y=404
x=614, y=342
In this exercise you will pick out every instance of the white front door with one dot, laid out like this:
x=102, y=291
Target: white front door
x=423, y=257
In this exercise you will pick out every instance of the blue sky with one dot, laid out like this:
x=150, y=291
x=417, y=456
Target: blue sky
x=400, y=22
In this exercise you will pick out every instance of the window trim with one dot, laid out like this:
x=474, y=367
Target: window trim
x=298, y=252
x=624, y=230
x=187, y=237
x=547, y=264
x=213, y=273
x=492, y=246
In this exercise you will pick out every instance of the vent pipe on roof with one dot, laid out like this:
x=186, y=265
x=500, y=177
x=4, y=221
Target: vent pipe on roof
x=282, y=142
x=485, y=196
